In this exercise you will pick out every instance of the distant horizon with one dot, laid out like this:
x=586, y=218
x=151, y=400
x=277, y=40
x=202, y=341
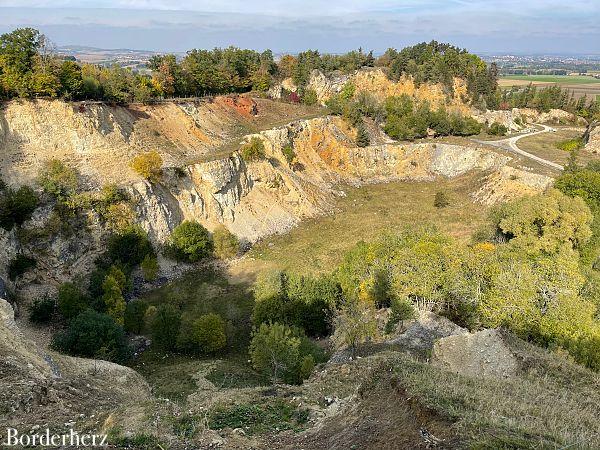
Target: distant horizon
x=485, y=27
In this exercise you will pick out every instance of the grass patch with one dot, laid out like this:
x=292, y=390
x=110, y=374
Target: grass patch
x=318, y=245
x=272, y=415
x=553, y=404
x=235, y=372
x=570, y=145
x=546, y=145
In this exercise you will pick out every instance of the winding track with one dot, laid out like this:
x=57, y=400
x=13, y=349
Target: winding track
x=510, y=144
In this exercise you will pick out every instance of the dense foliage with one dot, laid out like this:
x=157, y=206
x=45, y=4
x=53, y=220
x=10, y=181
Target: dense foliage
x=16, y=206
x=93, y=335
x=190, y=242
x=547, y=98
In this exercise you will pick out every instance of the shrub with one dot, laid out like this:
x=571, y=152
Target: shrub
x=275, y=350
x=165, y=327
x=571, y=145
x=309, y=97
x=93, y=335
x=150, y=268
x=19, y=265
x=226, y=243
x=16, y=206
x=497, y=129
x=253, y=150
x=59, y=180
x=441, y=200
x=283, y=353
x=135, y=313
x=112, y=288
x=354, y=323
x=190, y=242
x=130, y=246
x=401, y=309
x=362, y=137
x=208, y=333
x=42, y=310
x=71, y=301
x=289, y=154
x=148, y=165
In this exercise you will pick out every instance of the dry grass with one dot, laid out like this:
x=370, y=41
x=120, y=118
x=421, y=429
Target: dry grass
x=545, y=146
x=318, y=245
x=553, y=404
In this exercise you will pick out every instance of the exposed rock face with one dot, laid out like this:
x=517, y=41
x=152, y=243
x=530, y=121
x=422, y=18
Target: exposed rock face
x=481, y=354
x=518, y=119
x=375, y=82
x=43, y=387
x=100, y=140
x=592, y=138
x=420, y=335
x=509, y=183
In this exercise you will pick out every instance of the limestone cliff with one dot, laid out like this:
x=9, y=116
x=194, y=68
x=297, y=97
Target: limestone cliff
x=592, y=138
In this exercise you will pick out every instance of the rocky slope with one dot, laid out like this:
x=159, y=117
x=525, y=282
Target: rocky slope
x=42, y=387
x=592, y=138
x=375, y=82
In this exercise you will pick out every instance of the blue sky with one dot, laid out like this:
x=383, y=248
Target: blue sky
x=534, y=26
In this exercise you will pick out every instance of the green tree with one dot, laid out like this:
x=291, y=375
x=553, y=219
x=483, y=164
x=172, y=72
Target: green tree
x=42, y=310
x=208, y=333
x=93, y=335
x=165, y=327
x=354, y=323
x=150, y=267
x=71, y=300
x=275, y=350
x=112, y=296
x=191, y=242
x=71, y=80
x=135, y=312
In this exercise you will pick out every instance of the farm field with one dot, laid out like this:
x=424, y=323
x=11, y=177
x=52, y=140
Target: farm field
x=579, y=85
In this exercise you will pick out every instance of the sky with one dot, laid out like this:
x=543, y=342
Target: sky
x=492, y=26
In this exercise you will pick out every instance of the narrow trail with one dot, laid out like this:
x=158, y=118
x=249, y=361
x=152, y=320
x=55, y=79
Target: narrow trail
x=510, y=144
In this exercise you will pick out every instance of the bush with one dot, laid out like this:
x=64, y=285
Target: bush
x=289, y=154
x=190, y=242
x=309, y=97
x=148, y=165
x=42, y=310
x=293, y=355
x=497, y=129
x=571, y=145
x=401, y=309
x=165, y=327
x=305, y=302
x=253, y=150
x=208, y=333
x=112, y=288
x=71, y=301
x=16, y=206
x=129, y=247
x=441, y=200
x=355, y=323
x=362, y=137
x=93, y=335
x=226, y=243
x=58, y=179
x=275, y=350
x=135, y=313
x=19, y=266
x=150, y=268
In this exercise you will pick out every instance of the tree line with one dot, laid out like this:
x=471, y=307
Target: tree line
x=30, y=68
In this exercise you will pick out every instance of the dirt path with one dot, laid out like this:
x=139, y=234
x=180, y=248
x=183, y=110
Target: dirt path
x=510, y=144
